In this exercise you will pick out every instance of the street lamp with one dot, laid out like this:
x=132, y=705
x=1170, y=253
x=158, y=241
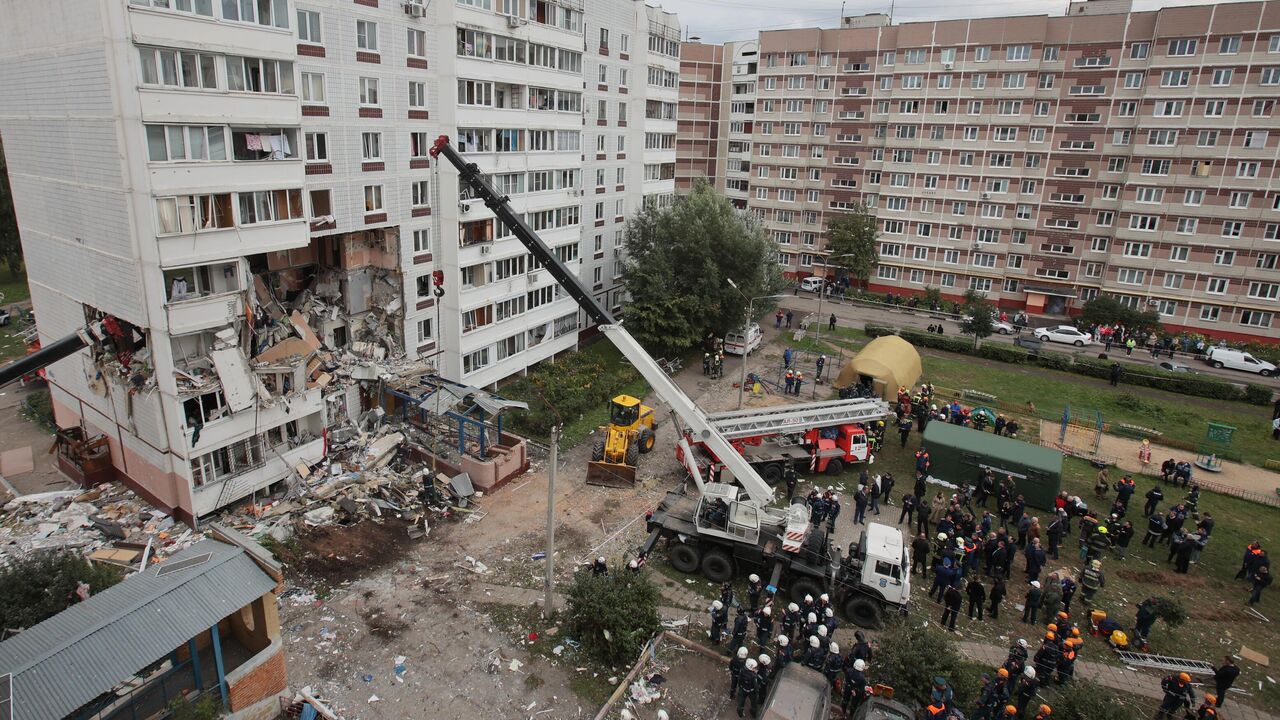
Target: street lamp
x=746, y=333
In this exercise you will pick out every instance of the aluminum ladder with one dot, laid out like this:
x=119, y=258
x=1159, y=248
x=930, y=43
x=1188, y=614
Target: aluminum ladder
x=1165, y=662
x=793, y=418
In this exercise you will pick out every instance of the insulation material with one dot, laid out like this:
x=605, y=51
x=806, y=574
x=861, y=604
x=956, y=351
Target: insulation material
x=237, y=384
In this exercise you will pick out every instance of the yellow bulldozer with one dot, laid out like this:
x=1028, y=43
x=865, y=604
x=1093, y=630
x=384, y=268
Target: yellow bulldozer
x=617, y=446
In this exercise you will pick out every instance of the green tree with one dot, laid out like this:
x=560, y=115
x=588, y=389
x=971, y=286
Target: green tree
x=1086, y=701
x=910, y=656
x=851, y=237
x=678, y=261
x=10, y=245
x=612, y=615
x=39, y=586
x=931, y=296
x=977, y=316
x=1107, y=310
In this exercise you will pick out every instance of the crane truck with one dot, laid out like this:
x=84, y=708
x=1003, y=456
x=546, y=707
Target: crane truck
x=727, y=527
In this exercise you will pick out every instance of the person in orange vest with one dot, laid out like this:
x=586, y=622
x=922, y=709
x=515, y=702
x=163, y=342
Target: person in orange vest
x=1207, y=709
x=790, y=381
x=1067, y=660
x=799, y=382
x=1253, y=554
x=1045, y=712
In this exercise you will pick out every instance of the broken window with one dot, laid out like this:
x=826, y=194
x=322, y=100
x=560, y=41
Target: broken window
x=475, y=232
x=265, y=144
x=269, y=206
x=477, y=318
x=200, y=281
x=192, y=213
x=229, y=461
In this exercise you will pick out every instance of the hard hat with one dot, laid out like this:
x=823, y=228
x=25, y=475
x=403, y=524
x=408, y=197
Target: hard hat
x=768, y=611
x=1075, y=632
x=1184, y=677
x=600, y=559
x=1103, y=531
x=1097, y=564
x=1002, y=672
x=792, y=607
x=662, y=715
x=626, y=714
x=751, y=664
x=1022, y=643
x=824, y=597
x=808, y=598
x=753, y=577
x=1046, y=710
x=1210, y=698
x=1035, y=583
x=830, y=613
x=812, y=618
x=633, y=565
x=813, y=641
x=783, y=641
x=1063, y=615
x=742, y=653
x=1048, y=636
x=764, y=659
x=1029, y=672
x=835, y=648
x=959, y=542
x=1010, y=710
x=1051, y=627
x=822, y=630
x=717, y=604
x=942, y=536
x=859, y=664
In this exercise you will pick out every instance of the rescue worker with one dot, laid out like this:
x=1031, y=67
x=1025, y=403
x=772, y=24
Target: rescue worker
x=1017, y=659
x=1178, y=694
x=749, y=684
x=1026, y=690
x=753, y=591
x=1261, y=579
x=1067, y=660
x=1045, y=712
x=789, y=382
x=1092, y=580
x=719, y=619
x=1099, y=543
x=1051, y=600
x=810, y=625
x=1046, y=658
x=789, y=477
x=791, y=620
x=854, y=690
x=764, y=626
x=783, y=652
x=994, y=695
x=735, y=671
x=1253, y=553
x=599, y=567
x=1031, y=605
x=1154, y=496
x=764, y=670
x=799, y=383
x=816, y=656
x=904, y=430
x=942, y=693
x=706, y=363
x=861, y=648
x=1145, y=620
x=829, y=620
x=833, y=666
x=1208, y=709
x=739, y=629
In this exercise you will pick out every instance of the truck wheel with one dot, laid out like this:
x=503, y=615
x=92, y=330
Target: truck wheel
x=1217, y=364
x=863, y=612
x=1264, y=373
x=772, y=473
x=804, y=586
x=835, y=466
x=717, y=566
x=633, y=453
x=597, y=449
x=683, y=557
x=647, y=440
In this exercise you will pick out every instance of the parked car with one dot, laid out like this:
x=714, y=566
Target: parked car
x=1171, y=366
x=1002, y=328
x=797, y=693
x=736, y=344
x=1221, y=357
x=813, y=284
x=878, y=708
x=1064, y=334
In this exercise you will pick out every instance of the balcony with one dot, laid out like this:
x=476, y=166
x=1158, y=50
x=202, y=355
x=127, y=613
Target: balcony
x=202, y=313
x=230, y=242
x=166, y=28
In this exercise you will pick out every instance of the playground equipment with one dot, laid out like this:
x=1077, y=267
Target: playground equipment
x=1217, y=440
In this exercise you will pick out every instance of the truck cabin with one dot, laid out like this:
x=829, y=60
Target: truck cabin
x=720, y=513
x=880, y=560
x=851, y=439
x=624, y=411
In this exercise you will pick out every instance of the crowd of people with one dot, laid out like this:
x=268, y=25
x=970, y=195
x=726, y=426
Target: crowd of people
x=915, y=409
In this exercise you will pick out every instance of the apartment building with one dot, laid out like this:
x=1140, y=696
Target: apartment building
x=153, y=151
x=1041, y=160
x=717, y=117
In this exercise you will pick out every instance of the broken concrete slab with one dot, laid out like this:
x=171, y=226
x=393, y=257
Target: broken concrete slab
x=382, y=450
x=238, y=386
x=304, y=330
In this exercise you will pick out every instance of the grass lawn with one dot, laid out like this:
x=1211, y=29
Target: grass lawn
x=14, y=286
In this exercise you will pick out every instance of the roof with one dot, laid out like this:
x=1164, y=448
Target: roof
x=797, y=693
x=89, y=648
x=889, y=359
x=883, y=541
x=942, y=434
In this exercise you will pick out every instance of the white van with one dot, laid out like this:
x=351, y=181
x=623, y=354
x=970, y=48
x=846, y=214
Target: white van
x=813, y=284
x=734, y=343
x=1221, y=357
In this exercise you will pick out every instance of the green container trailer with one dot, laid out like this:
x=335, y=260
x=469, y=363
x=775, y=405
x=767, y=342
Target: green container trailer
x=958, y=454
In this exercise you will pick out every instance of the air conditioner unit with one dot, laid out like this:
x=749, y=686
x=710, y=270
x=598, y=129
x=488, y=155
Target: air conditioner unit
x=1152, y=301
x=414, y=9
x=948, y=66
x=986, y=196
x=486, y=249
x=515, y=22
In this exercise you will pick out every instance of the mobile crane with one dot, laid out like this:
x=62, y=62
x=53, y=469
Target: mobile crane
x=725, y=526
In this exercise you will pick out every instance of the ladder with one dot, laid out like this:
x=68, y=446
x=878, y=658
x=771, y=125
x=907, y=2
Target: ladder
x=793, y=418
x=1165, y=662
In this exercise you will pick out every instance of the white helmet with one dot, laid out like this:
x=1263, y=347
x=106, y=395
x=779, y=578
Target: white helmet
x=808, y=598
x=751, y=664
x=812, y=618
x=633, y=564
x=813, y=641
x=742, y=653
x=1022, y=643
x=626, y=714
x=942, y=536
x=717, y=605
x=859, y=664
x=824, y=597
x=793, y=607
x=768, y=611
x=764, y=660
x=1029, y=672
x=835, y=648
x=662, y=715
x=822, y=630
x=830, y=612
x=783, y=641
x=753, y=577
x=600, y=559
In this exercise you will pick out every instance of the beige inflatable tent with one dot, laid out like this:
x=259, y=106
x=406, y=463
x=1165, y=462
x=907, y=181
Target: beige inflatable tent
x=889, y=361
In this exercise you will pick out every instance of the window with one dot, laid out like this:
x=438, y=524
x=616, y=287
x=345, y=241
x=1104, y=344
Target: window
x=193, y=213
x=1270, y=76
x=982, y=54
x=1240, y=199
x=1192, y=197
x=368, y=91
x=179, y=69
x=1210, y=313
x=1229, y=45
x=1131, y=276
x=417, y=95
x=1133, y=80
x=1263, y=108
x=1264, y=290
x=1045, y=82
x=1182, y=47
x=1215, y=108
x=274, y=12
x=1187, y=226
x=1137, y=250
x=1217, y=286
x=1168, y=108
x=308, y=26
x=373, y=199
x=978, y=81
x=1221, y=77
x=269, y=206
x=1255, y=318
x=1144, y=223
x=1014, y=81
x=371, y=146
x=417, y=43
x=173, y=143
x=1231, y=229
x=1207, y=138
x=421, y=194
x=1017, y=53
x=367, y=35
x=1179, y=253
x=1139, y=51
x=1051, y=53
x=1128, y=108
x=1175, y=78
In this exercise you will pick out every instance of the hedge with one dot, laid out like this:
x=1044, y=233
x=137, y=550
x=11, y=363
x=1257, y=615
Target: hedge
x=1179, y=382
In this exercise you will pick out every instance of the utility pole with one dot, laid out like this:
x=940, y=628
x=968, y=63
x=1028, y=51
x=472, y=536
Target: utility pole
x=549, y=586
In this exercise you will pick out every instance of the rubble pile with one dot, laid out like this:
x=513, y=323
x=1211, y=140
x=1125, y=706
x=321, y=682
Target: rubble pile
x=108, y=524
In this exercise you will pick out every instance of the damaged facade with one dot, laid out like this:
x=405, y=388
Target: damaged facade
x=242, y=214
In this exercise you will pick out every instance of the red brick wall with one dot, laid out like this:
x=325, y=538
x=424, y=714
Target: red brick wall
x=266, y=680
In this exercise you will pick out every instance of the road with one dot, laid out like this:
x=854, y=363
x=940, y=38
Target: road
x=857, y=315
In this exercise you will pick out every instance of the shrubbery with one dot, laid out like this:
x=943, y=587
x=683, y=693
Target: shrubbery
x=875, y=331
x=612, y=615
x=1003, y=353
x=39, y=586
x=1256, y=394
x=911, y=657
x=562, y=391
x=951, y=343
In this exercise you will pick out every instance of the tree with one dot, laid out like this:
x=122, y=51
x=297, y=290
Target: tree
x=977, y=316
x=932, y=296
x=10, y=245
x=1107, y=310
x=612, y=615
x=678, y=262
x=910, y=656
x=39, y=586
x=851, y=237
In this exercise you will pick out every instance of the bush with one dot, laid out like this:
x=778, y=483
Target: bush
x=206, y=707
x=1055, y=361
x=875, y=331
x=1086, y=701
x=38, y=408
x=1003, y=353
x=908, y=657
x=562, y=391
x=39, y=586
x=951, y=343
x=613, y=615
x=1256, y=394
x=1183, y=383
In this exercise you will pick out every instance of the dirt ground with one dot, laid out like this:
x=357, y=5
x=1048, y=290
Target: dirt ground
x=16, y=433
x=1249, y=478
